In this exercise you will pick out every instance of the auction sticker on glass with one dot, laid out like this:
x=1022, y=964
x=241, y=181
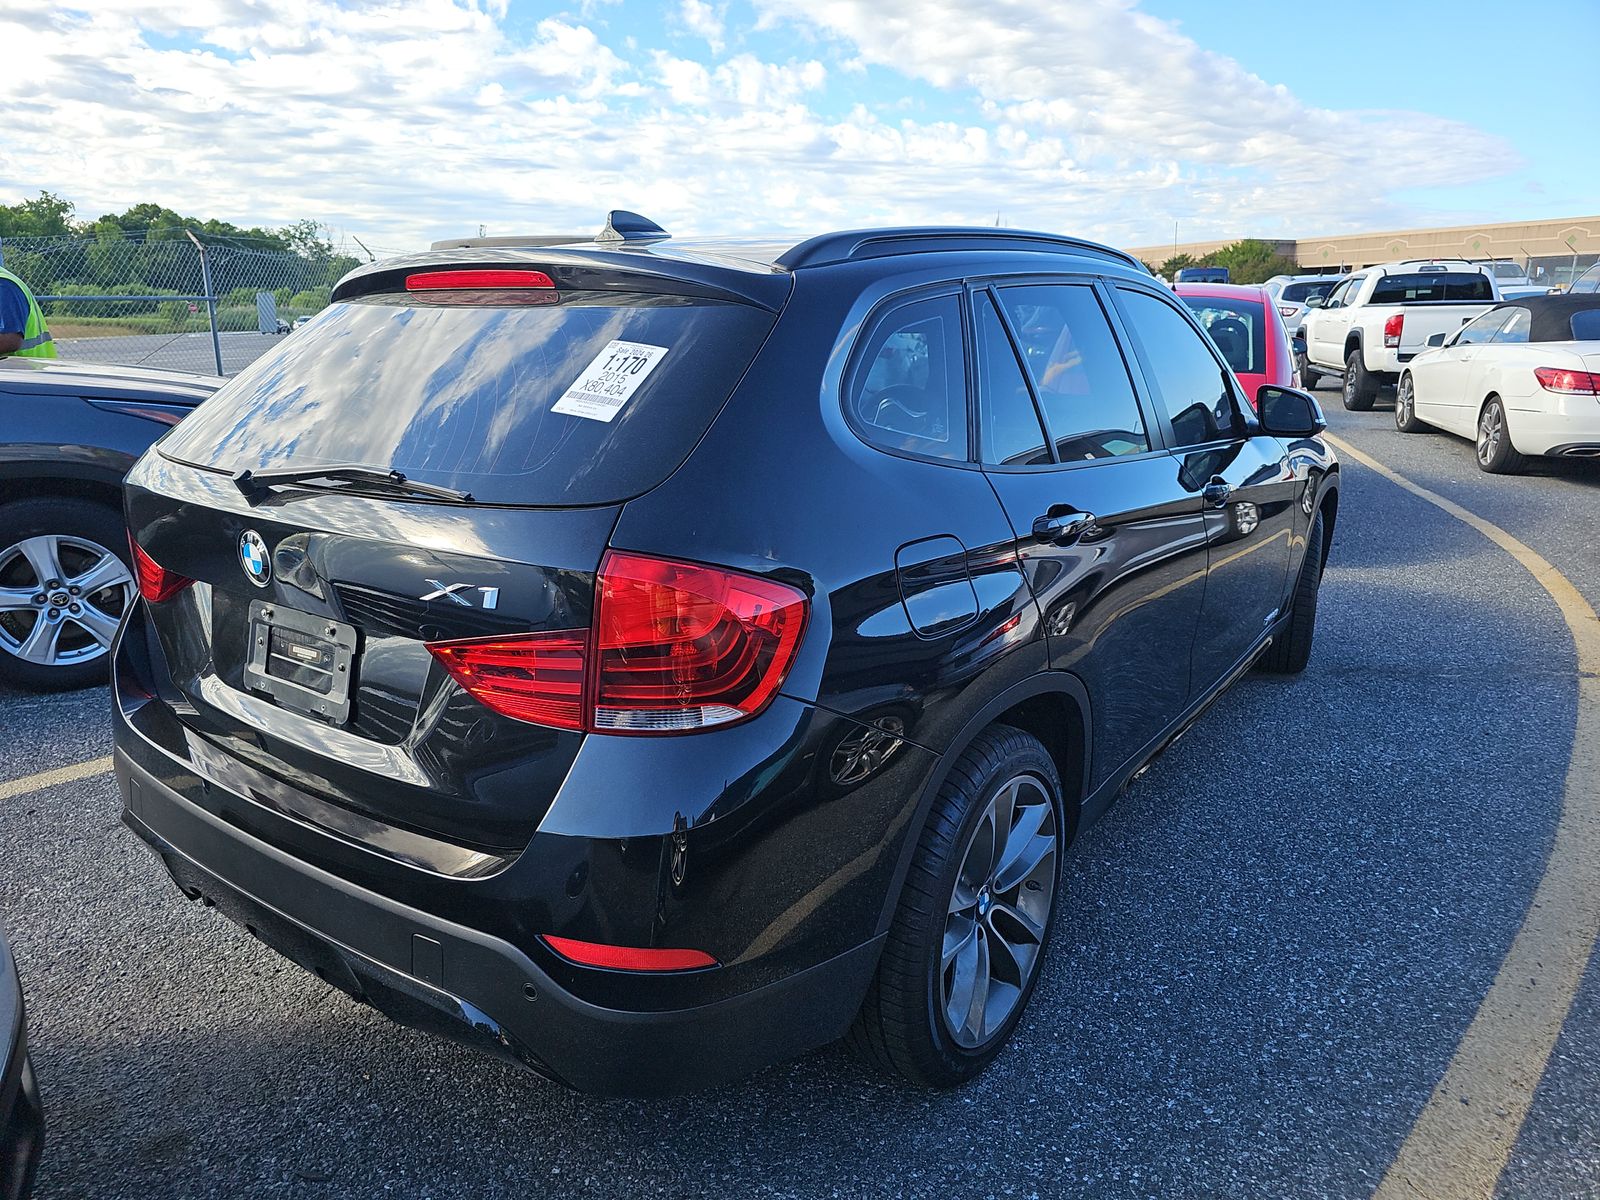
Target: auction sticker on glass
x=608, y=381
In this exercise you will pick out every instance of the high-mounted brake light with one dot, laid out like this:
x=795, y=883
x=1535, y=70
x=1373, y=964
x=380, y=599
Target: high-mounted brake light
x=627, y=958
x=674, y=647
x=1571, y=383
x=427, y=281
x=156, y=583
x=1392, y=329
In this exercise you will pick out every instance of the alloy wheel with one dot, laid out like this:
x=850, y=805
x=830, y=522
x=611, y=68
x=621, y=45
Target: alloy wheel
x=1491, y=428
x=1402, y=403
x=999, y=911
x=61, y=599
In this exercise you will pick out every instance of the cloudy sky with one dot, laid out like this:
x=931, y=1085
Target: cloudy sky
x=414, y=119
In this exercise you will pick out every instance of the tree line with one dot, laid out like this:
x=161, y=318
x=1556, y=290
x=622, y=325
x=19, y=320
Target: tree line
x=1249, y=261
x=145, y=251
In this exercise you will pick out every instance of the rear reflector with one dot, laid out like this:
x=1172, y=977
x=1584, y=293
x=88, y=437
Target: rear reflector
x=674, y=647
x=1572, y=383
x=628, y=958
x=448, y=280
x=1392, y=329
x=156, y=583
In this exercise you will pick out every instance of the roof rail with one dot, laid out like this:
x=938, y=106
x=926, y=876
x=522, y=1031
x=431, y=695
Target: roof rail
x=856, y=244
x=1406, y=262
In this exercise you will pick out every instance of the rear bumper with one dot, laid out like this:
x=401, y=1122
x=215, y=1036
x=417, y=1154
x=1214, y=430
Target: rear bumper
x=1570, y=428
x=430, y=973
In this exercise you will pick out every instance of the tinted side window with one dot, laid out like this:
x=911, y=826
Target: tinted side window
x=1009, y=425
x=1481, y=329
x=1192, y=383
x=909, y=390
x=1517, y=328
x=1077, y=369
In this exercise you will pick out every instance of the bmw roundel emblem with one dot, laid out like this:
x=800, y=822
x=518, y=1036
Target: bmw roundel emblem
x=253, y=556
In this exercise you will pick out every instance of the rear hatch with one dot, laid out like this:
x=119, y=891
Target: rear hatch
x=516, y=412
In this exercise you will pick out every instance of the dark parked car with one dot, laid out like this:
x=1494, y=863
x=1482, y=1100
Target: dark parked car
x=68, y=434
x=21, y=1117
x=650, y=659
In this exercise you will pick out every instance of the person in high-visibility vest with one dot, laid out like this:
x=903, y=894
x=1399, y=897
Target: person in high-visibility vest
x=22, y=329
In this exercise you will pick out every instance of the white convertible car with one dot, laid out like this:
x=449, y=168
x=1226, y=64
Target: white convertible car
x=1522, y=380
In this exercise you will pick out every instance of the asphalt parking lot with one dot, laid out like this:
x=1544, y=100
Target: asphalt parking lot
x=1268, y=952
x=172, y=351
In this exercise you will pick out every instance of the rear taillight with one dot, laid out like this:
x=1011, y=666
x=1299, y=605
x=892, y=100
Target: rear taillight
x=156, y=583
x=628, y=958
x=1392, y=328
x=538, y=677
x=674, y=647
x=1572, y=383
x=1288, y=310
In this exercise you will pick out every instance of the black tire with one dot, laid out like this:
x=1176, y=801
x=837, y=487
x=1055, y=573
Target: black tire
x=1291, y=650
x=1493, y=449
x=1360, y=388
x=901, y=1028
x=1405, y=409
x=80, y=660
x=1309, y=375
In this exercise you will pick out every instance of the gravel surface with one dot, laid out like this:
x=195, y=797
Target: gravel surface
x=1268, y=951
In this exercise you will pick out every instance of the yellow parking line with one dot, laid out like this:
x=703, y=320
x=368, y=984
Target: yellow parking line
x=1464, y=1135
x=12, y=788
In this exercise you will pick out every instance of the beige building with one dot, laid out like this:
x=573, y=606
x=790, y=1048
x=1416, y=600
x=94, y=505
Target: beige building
x=1555, y=248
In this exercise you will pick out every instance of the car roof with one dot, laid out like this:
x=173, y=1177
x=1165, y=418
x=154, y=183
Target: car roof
x=1223, y=291
x=758, y=270
x=1407, y=266
x=1552, y=315
x=104, y=379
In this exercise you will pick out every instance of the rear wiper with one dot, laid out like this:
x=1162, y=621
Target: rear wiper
x=255, y=484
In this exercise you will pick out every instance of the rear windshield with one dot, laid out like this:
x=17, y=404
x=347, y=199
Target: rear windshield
x=1238, y=327
x=480, y=392
x=1299, y=293
x=1432, y=286
x=1586, y=325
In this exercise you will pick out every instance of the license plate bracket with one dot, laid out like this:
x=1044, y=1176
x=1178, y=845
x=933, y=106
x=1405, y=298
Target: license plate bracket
x=304, y=662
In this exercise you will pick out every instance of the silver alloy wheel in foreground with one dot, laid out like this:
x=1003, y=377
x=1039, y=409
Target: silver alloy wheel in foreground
x=998, y=912
x=1491, y=429
x=61, y=599
x=1404, y=401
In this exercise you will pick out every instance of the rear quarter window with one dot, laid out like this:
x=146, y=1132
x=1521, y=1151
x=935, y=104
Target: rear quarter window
x=463, y=390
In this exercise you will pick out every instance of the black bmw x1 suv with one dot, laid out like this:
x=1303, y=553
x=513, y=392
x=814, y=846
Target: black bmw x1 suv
x=649, y=659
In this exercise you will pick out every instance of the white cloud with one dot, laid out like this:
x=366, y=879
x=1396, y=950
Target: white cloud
x=704, y=20
x=423, y=118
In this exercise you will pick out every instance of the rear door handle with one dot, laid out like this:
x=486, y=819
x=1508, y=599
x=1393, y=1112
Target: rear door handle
x=1216, y=493
x=1062, y=527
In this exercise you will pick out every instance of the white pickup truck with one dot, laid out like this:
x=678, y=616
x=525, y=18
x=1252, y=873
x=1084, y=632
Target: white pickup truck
x=1381, y=317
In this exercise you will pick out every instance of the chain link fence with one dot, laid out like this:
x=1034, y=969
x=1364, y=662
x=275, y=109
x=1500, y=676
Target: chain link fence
x=174, y=299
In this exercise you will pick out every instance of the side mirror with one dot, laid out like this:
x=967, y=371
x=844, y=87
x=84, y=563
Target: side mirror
x=1435, y=340
x=1289, y=412
x=1315, y=302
